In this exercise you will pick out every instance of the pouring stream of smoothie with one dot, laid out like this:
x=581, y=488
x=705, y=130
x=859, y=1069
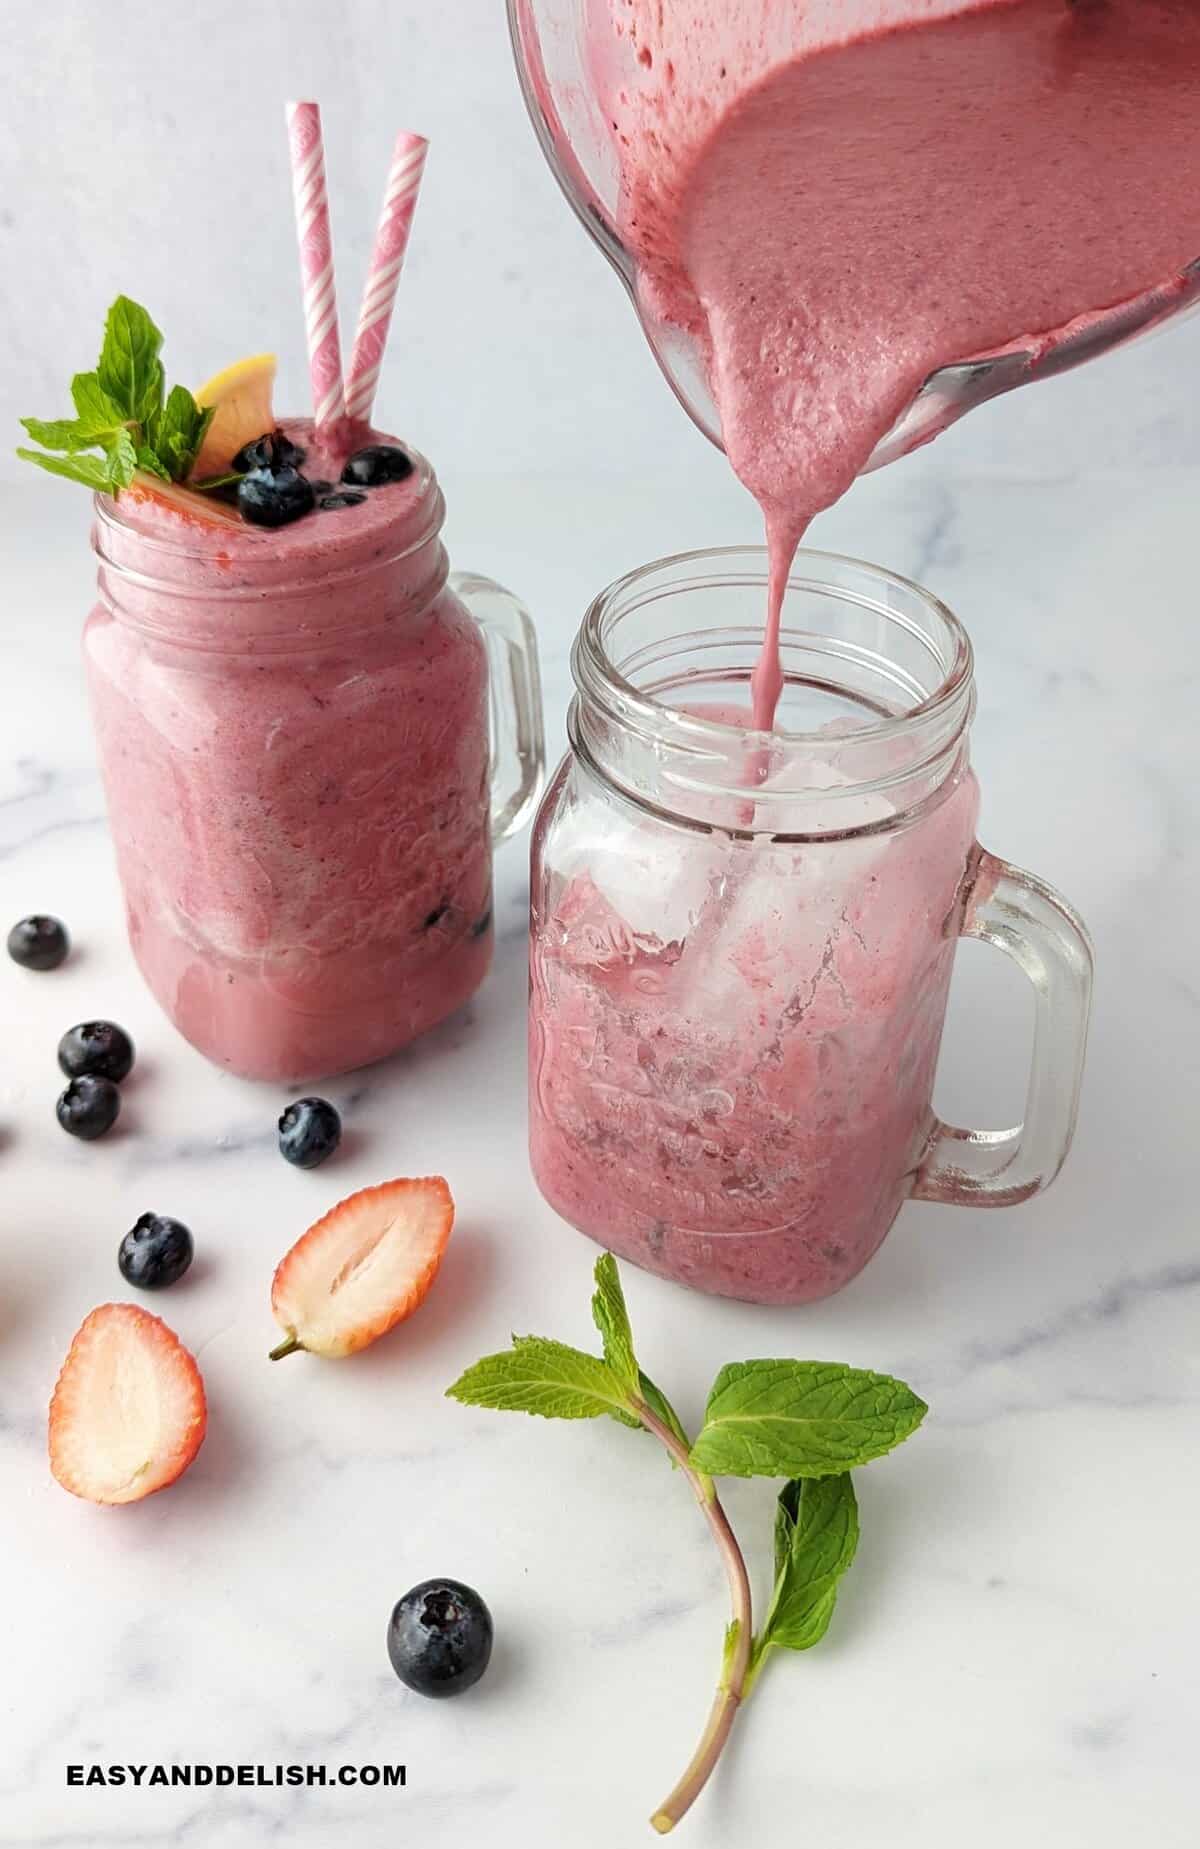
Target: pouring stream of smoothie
x=834, y=200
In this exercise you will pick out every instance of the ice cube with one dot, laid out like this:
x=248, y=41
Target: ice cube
x=655, y=878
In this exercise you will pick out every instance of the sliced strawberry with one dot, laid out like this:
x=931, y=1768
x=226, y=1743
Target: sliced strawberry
x=192, y=508
x=363, y=1268
x=128, y=1414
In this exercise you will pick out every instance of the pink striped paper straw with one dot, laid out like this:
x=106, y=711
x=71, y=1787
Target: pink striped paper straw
x=307, y=152
x=387, y=261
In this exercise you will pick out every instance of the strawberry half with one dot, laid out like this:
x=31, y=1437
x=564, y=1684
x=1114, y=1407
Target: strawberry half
x=128, y=1413
x=363, y=1268
x=193, y=509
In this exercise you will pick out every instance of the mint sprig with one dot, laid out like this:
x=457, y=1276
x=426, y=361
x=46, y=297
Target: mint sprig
x=810, y=1421
x=122, y=409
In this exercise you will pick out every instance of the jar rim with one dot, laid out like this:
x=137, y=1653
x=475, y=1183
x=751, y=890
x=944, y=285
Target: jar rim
x=596, y=674
x=874, y=635
x=428, y=517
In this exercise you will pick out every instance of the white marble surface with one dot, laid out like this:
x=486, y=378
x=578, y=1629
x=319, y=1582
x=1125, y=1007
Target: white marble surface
x=1014, y=1659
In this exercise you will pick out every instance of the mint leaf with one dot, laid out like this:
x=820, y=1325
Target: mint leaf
x=545, y=1378
x=121, y=410
x=92, y=471
x=211, y=482
x=146, y=459
x=805, y=1626
x=659, y=1404
x=129, y=370
x=177, y=432
x=785, y=1518
x=612, y=1320
x=99, y=424
x=801, y=1419
x=816, y=1536
x=121, y=461
x=103, y=473
x=200, y=430
x=95, y=409
x=67, y=433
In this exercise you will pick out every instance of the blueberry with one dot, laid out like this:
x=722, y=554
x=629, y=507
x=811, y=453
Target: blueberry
x=440, y=1638
x=309, y=1132
x=38, y=942
x=272, y=452
x=275, y=499
x=155, y=1252
x=342, y=500
x=378, y=463
x=99, y=1047
x=322, y=487
x=89, y=1107
x=254, y=455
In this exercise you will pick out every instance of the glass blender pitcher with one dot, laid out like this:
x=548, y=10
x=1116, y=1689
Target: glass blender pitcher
x=556, y=42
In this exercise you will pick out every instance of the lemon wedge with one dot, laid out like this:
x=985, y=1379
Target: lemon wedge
x=241, y=398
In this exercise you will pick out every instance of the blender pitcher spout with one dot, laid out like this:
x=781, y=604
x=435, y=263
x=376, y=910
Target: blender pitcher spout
x=952, y=391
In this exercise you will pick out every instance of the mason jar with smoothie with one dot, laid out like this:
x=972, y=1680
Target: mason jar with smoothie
x=841, y=226
x=294, y=735
x=310, y=732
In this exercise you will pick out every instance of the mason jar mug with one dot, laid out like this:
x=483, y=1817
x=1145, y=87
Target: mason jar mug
x=303, y=778
x=742, y=943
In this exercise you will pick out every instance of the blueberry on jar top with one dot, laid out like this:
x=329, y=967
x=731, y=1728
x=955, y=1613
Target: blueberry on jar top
x=376, y=464
x=275, y=498
x=272, y=451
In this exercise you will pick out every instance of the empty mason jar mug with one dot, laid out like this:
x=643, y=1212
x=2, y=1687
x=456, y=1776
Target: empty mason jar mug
x=742, y=944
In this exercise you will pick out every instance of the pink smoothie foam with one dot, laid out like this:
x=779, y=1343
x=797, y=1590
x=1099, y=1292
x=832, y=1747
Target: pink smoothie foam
x=294, y=737
x=835, y=199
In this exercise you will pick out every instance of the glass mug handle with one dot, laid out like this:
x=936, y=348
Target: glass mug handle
x=998, y=1168
x=518, y=746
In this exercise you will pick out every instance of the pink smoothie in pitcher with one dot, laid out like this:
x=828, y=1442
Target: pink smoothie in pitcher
x=293, y=731
x=837, y=197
